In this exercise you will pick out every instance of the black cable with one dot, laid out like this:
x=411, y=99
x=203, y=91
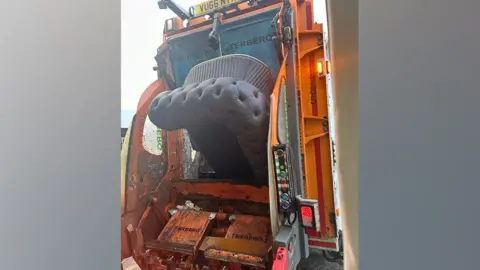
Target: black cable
x=288, y=216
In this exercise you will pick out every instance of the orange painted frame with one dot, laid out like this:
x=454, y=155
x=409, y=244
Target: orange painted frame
x=314, y=119
x=312, y=93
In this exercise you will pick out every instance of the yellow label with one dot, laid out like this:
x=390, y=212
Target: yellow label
x=208, y=7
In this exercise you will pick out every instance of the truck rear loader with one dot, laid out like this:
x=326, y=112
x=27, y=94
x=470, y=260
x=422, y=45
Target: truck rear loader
x=229, y=161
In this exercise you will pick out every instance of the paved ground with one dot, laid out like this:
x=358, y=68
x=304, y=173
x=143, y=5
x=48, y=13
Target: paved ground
x=316, y=261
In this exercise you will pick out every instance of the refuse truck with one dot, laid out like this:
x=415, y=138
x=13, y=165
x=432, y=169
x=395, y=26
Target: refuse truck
x=229, y=161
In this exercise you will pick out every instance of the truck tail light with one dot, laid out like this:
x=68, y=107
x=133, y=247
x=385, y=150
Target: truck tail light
x=306, y=213
x=309, y=214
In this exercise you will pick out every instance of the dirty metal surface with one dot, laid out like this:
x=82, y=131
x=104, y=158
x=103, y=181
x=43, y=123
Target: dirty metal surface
x=222, y=189
x=233, y=250
x=317, y=261
x=184, y=232
x=249, y=228
x=169, y=262
x=190, y=164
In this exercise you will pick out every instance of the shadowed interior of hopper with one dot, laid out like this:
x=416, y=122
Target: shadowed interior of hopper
x=222, y=98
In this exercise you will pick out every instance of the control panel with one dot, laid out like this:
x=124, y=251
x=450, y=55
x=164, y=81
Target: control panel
x=282, y=178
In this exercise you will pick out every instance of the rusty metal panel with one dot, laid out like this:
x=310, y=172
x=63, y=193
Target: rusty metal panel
x=184, y=232
x=222, y=189
x=233, y=250
x=249, y=228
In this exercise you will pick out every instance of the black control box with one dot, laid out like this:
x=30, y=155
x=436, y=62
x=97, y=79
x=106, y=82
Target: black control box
x=286, y=202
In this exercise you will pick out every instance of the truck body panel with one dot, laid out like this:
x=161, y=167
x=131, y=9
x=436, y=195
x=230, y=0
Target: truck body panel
x=163, y=185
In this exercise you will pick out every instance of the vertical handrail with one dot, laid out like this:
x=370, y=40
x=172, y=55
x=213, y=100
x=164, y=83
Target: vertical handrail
x=273, y=140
